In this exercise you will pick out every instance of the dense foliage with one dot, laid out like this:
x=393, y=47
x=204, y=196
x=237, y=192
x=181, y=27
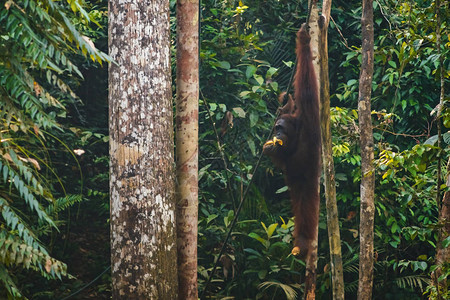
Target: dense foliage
x=247, y=46
x=54, y=147
x=38, y=44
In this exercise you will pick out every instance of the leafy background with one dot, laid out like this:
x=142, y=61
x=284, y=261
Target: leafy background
x=54, y=147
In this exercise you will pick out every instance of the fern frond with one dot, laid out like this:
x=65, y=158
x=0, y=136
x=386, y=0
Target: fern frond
x=14, y=252
x=351, y=265
x=9, y=284
x=38, y=45
x=288, y=290
x=22, y=186
x=351, y=287
x=63, y=203
x=413, y=281
x=15, y=223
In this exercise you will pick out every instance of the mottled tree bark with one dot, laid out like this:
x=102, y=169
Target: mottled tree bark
x=187, y=146
x=311, y=273
x=311, y=259
x=143, y=241
x=334, y=236
x=367, y=209
x=442, y=254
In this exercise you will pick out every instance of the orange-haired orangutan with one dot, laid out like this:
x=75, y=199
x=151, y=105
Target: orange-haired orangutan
x=296, y=146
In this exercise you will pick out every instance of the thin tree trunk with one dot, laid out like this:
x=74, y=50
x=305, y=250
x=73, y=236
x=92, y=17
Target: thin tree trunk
x=440, y=105
x=187, y=146
x=334, y=236
x=442, y=254
x=367, y=210
x=143, y=241
x=311, y=259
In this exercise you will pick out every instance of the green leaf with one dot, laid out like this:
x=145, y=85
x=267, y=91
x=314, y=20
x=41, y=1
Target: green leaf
x=262, y=274
x=257, y=237
x=395, y=228
x=420, y=265
x=250, y=71
x=392, y=64
x=212, y=106
x=271, y=230
x=404, y=103
x=394, y=244
x=222, y=107
x=252, y=251
x=224, y=65
x=226, y=221
x=5, y=173
x=431, y=141
x=352, y=82
x=446, y=242
x=274, y=86
x=446, y=137
x=244, y=94
x=422, y=257
x=264, y=226
x=271, y=71
x=289, y=64
x=239, y=111
x=258, y=79
x=251, y=145
x=256, y=88
x=254, y=117
x=210, y=218
x=391, y=78
x=282, y=190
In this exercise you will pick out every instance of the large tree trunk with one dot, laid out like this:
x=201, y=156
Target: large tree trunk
x=367, y=210
x=334, y=236
x=311, y=259
x=187, y=146
x=143, y=241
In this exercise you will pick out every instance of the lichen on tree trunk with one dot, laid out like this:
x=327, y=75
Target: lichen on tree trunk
x=143, y=241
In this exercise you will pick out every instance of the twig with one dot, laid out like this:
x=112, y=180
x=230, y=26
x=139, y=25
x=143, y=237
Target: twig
x=342, y=36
